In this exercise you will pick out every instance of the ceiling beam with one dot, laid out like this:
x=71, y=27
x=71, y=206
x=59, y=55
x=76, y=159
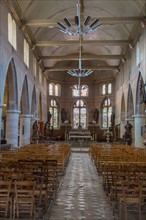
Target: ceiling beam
x=84, y=43
x=105, y=20
x=60, y=69
x=84, y=57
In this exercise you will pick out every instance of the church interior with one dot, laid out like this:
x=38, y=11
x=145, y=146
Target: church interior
x=73, y=109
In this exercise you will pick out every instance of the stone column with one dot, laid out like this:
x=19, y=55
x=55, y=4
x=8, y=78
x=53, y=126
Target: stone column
x=139, y=123
x=12, y=120
x=25, y=123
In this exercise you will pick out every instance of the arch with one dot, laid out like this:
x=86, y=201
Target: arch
x=25, y=98
x=123, y=108
x=130, y=106
x=11, y=87
x=34, y=103
x=10, y=98
x=139, y=105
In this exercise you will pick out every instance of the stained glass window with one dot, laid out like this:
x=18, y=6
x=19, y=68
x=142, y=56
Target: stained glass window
x=106, y=113
x=79, y=114
x=54, y=110
x=83, y=91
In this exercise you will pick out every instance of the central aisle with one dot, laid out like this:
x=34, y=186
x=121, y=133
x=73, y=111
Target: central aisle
x=81, y=195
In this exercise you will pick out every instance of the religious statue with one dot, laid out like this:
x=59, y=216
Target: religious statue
x=46, y=129
x=49, y=117
x=35, y=129
x=96, y=115
x=63, y=115
x=128, y=133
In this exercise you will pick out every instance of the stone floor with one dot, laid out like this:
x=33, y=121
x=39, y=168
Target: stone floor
x=81, y=195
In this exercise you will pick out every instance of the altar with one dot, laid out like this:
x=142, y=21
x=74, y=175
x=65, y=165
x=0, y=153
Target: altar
x=80, y=138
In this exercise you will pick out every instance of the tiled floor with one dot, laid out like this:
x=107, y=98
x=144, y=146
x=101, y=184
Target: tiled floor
x=81, y=196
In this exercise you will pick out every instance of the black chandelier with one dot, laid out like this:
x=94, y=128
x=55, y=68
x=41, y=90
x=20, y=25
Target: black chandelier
x=78, y=28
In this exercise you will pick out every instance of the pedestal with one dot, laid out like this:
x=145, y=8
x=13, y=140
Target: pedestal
x=139, y=121
x=122, y=129
x=25, y=122
x=12, y=120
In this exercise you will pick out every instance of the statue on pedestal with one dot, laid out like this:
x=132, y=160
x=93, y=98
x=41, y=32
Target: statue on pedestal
x=96, y=115
x=128, y=133
x=35, y=129
x=49, y=117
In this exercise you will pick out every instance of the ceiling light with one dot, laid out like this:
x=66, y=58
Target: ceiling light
x=80, y=72
x=77, y=28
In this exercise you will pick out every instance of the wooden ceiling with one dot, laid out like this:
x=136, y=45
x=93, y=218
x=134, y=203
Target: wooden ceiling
x=103, y=50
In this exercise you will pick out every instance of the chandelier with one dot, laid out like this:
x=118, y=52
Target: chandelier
x=78, y=28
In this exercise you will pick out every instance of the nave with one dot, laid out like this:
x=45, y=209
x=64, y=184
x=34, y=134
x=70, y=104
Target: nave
x=81, y=195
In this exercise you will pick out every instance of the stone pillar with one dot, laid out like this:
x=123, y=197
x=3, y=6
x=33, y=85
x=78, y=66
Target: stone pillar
x=139, y=123
x=25, y=123
x=12, y=120
x=122, y=129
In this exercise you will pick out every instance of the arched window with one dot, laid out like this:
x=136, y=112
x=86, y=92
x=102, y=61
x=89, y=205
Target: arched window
x=109, y=88
x=26, y=53
x=106, y=113
x=51, y=89
x=12, y=31
x=79, y=114
x=82, y=91
x=103, y=89
x=54, y=110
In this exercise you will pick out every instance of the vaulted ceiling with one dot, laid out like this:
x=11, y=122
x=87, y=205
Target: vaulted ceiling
x=102, y=50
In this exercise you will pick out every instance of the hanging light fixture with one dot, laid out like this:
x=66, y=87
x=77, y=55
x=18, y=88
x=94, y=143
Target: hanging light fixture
x=80, y=72
x=78, y=28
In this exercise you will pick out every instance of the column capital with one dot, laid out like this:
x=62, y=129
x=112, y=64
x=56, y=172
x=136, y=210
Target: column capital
x=26, y=116
x=13, y=111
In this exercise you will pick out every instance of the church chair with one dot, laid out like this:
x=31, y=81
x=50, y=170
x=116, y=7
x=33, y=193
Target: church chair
x=5, y=198
x=24, y=200
x=131, y=199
